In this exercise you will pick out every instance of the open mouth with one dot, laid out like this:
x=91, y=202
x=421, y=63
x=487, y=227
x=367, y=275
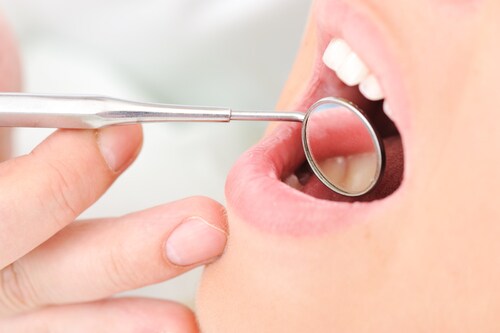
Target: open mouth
x=342, y=73
x=272, y=186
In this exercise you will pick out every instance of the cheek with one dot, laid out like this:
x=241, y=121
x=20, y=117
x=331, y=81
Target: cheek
x=466, y=6
x=440, y=49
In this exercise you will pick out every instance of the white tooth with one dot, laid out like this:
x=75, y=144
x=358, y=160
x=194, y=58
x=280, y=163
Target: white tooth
x=353, y=70
x=294, y=182
x=336, y=53
x=387, y=109
x=371, y=89
x=360, y=171
x=334, y=168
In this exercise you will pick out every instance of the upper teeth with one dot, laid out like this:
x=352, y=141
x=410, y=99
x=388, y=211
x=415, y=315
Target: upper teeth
x=371, y=89
x=351, y=69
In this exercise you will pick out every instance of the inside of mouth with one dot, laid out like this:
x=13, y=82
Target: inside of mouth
x=302, y=177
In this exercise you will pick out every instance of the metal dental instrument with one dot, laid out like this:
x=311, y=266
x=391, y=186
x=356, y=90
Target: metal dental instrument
x=331, y=165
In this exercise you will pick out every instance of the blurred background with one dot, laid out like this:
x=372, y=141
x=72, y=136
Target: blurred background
x=202, y=52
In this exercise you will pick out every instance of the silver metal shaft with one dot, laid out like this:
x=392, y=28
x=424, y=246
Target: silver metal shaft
x=81, y=111
x=267, y=116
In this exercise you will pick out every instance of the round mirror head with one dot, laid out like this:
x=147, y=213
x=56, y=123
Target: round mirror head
x=342, y=147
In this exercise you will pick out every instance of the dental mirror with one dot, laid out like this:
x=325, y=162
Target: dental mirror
x=341, y=146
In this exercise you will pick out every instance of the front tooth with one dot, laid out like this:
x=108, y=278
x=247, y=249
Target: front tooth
x=371, y=89
x=336, y=53
x=353, y=70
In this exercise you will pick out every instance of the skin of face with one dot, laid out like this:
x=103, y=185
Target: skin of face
x=428, y=261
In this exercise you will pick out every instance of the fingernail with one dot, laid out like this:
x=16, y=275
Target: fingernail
x=116, y=144
x=195, y=241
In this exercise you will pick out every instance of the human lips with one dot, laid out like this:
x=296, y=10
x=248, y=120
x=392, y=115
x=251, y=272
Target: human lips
x=255, y=189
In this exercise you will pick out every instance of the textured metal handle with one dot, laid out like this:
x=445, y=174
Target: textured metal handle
x=81, y=111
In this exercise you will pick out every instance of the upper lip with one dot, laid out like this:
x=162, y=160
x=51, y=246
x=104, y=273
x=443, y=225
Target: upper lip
x=254, y=189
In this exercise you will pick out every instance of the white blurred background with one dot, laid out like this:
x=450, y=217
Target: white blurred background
x=206, y=52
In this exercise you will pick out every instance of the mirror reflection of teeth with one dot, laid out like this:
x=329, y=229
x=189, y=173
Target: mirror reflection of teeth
x=335, y=168
x=351, y=172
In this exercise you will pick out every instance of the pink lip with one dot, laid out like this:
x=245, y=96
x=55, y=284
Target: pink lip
x=254, y=189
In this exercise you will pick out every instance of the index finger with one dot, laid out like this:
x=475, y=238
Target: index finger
x=90, y=260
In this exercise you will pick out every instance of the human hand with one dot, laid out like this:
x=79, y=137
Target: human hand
x=56, y=275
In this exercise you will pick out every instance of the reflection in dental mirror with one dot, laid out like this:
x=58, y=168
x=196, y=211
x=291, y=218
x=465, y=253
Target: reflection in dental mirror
x=342, y=147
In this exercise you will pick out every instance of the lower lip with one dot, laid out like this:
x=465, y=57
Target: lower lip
x=257, y=195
